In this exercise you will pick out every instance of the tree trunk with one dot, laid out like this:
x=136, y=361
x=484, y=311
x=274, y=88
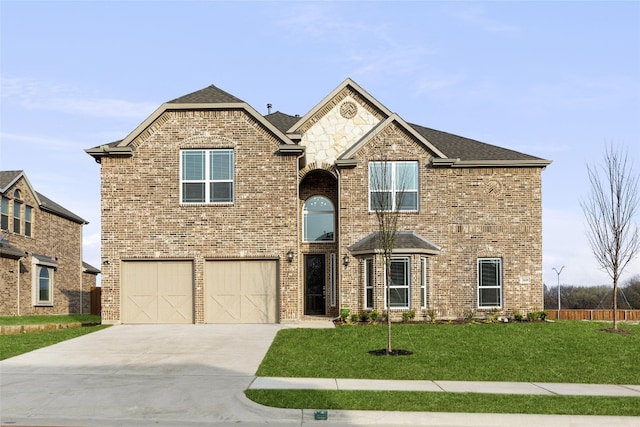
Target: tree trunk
x=387, y=268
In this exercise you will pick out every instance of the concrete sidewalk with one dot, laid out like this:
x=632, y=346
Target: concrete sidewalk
x=490, y=387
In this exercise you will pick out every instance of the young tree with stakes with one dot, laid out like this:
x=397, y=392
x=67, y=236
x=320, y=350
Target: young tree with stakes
x=610, y=209
x=387, y=181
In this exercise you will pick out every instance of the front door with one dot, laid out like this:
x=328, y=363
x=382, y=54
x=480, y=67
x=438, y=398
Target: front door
x=315, y=288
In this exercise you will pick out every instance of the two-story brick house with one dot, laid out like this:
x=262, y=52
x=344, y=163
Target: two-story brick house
x=41, y=267
x=214, y=213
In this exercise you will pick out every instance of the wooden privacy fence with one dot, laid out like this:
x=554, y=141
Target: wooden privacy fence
x=96, y=300
x=588, y=314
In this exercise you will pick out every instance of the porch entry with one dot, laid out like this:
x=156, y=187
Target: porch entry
x=315, y=284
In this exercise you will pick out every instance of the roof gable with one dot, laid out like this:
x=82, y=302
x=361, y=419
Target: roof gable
x=394, y=118
x=10, y=178
x=347, y=87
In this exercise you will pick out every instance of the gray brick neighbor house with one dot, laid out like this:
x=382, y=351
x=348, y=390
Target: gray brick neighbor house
x=215, y=213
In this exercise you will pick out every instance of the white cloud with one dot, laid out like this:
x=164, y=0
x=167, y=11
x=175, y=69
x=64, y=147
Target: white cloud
x=38, y=95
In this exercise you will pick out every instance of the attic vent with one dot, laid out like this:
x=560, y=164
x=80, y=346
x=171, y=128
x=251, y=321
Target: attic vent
x=269, y=108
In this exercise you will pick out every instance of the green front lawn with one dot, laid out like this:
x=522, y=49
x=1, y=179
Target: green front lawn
x=39, y=320
x=574, y=352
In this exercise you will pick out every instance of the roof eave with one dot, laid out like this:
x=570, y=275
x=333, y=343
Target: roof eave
x=423, y=251
x=457, y=163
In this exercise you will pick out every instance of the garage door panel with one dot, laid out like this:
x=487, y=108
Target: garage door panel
x=157, y=292
x=241, y=292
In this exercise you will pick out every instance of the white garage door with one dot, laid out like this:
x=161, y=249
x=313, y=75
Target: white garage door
x=241, y=291
x=157, y=292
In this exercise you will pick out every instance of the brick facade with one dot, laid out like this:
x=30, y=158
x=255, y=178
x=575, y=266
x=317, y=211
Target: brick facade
x=478, y=209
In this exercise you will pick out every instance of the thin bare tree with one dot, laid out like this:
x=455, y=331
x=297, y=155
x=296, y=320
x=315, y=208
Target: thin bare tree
x=387, y=183
x=610, y=209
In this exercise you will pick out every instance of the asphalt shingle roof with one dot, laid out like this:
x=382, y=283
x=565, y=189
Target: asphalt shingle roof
x=208, y=95
x=283, y=122
x=458, y=147
x=405, y=240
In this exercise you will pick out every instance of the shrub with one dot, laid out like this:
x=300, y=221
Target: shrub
x=355, y=317
x=517, y=316
x=374, y=315
x=468, y=314
x=493, y=315
x=408, y=315
x=431, y=315
x=344, y=313
x=364, y=316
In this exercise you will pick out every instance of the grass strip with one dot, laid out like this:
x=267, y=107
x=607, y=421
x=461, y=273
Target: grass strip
x=13, y=345
x=446, y=402
x=571, y=352
x=42, y=319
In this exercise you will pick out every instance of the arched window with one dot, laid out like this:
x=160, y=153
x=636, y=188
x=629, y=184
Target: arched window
x=44, y=286
x=17, y=220
x=318, y=220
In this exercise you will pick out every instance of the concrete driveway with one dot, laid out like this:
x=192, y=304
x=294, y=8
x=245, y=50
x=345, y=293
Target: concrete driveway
x=141, y=375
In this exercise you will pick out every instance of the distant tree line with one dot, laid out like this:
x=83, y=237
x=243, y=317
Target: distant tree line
x=593, y=297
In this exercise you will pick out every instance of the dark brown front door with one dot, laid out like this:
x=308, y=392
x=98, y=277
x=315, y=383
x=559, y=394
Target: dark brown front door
x=315, y=287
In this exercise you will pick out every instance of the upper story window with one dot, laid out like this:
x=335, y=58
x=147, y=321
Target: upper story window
x=16, y=212
x=27, y=220
x=4, y=215
x=207, y=176
x=393, y=186
x=318, y=219
x=489, y=283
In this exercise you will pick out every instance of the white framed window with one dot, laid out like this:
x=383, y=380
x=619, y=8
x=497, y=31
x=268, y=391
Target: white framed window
x=207, y=176
x=423, y=282
x=43, y=279
x=368, y=283
x=489, y=283
x=400, y=281
x=318, y=218
x=393, y=186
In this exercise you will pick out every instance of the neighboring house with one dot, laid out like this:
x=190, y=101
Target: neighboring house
x=41, y=267
x=214, y=213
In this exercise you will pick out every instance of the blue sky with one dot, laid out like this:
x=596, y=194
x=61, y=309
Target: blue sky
x=557, y=80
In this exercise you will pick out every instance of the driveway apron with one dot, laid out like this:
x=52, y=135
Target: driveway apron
x=139, y=374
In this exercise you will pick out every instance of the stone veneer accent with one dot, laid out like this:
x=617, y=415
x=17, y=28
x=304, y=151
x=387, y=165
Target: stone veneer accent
x=331, y=134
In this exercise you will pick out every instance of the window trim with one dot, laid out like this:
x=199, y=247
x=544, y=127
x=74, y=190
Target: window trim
x=368, y=283
x=393, y=190
x=17, y=216
x=207, y=181
x=50, y=266
x=407, y=273
x=423, y=282
x=500, y=280
x=28, y=221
